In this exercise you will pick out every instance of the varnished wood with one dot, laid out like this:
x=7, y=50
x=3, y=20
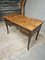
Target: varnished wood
x=22, y=5
x=7, y=27
x=29, y=39
x=32, y=25
x=28, y=23
x=38, y=32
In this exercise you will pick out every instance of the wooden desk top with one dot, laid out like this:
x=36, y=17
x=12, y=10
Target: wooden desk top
x=28, y=23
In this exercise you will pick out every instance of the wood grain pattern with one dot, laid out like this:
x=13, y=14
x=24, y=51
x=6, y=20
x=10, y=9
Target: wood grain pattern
x=28, y=23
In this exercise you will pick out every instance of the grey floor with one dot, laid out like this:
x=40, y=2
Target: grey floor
x=13, y=46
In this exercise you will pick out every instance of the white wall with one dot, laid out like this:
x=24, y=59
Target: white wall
x=36, y=9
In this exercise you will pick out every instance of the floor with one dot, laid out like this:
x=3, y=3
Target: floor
x=13, y=46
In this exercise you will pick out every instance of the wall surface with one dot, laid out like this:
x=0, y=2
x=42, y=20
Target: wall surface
x=36, y=9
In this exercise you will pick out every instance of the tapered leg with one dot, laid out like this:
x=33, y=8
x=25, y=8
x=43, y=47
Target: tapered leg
x=29, y=39
x=7, y=27
x=38, y=32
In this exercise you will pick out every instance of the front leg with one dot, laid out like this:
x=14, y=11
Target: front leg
x=29, y=39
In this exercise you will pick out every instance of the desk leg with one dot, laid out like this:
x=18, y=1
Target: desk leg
x=7, y=27
x=29, y=39
x=38, y=32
